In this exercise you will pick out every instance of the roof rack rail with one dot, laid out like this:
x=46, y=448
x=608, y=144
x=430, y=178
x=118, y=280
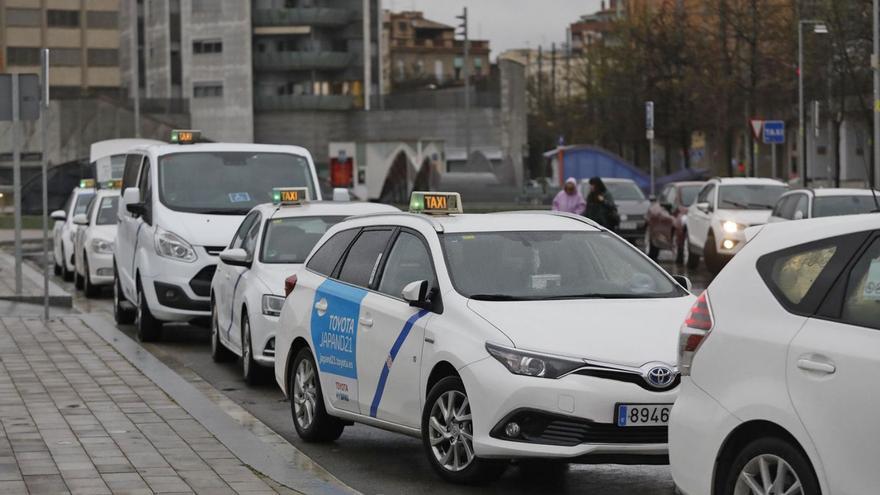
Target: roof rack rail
x=434, y=224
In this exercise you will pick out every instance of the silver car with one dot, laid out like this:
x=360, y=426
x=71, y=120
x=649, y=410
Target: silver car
x=632, y=206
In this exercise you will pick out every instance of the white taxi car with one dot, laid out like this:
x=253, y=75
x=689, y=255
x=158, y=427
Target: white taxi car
x=64, y=230
x=724, y=208
x=181, y=204
x=247, y=292
x=93, y=244
x=491, y=337
x=781, y=398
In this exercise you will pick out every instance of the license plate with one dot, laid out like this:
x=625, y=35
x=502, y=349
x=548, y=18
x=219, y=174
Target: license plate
x=628, y=225
x=629, y=415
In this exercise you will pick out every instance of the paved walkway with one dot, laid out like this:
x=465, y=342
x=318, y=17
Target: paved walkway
x=31, y=284
x=76, y=417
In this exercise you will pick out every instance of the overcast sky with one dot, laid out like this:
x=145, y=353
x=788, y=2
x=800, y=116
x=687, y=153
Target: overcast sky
x=505, y=23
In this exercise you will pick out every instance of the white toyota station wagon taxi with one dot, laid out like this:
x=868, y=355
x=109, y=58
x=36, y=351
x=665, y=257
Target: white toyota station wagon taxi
x=491, y=337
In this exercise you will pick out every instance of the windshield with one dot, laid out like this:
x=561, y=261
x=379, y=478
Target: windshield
x=504, y=266
x=751, y=197
x=107, y=211
x=831, y=206
x=82, y=203
x=689, y=194
x=228, y=182
x=290, y=240
x=625, y=191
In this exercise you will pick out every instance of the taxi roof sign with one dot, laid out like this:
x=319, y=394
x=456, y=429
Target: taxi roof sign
x=112, y=184
x=288, y=196
x=182, y=136
x=435, y=203
x=86, y=183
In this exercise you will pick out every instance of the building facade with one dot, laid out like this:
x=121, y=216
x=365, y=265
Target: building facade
x=82, y=35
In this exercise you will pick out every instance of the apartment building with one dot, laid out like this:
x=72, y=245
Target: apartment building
x=83, y=36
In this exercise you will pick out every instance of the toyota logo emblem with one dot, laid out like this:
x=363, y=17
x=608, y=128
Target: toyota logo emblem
x=660, y=376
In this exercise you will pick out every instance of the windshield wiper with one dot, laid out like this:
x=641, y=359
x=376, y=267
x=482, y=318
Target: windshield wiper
x=497, y=297
x=597, y=295
x=735, y=203
x=225, y=212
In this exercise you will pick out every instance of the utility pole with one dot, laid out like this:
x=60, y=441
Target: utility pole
x=876, y=70
x=466, y=73
x=553, y=77
x=135, y=68
x=44, y=130
x=368, y=65
x=16, y=177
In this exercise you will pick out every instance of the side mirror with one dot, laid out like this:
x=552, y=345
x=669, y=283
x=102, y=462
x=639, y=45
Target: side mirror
x=704, y=207
x=416, y=294
x=81, y=219
x=799, y=215
x=131, y=195
x=235, y=257
x=683, y=281
x=58, y=215
x=136, y=209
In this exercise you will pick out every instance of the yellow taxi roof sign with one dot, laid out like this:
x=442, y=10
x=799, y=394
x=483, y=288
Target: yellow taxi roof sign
x=112, y=184
x=86, y=183
x=185, y=136
x=435, y=203
x=290, y=196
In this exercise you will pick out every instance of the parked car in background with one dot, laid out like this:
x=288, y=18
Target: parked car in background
x=779, y=398
x=93, y=242
x=632, y=206
x=723, y=210
x=64, y=230
x=816, y=203
x=667, y=219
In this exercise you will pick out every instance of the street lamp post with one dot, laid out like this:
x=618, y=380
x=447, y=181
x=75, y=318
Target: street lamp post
x=819, y=27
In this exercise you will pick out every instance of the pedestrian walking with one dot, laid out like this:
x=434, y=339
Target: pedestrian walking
x=600, y=205
x=569, y=199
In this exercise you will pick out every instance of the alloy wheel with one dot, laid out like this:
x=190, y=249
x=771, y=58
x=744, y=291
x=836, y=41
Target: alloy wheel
x=768, y=474
x=305, y=394
x=451, y=431
x=246, y=347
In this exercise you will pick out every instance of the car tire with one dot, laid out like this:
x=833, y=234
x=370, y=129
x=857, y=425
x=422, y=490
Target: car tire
x=447, y=436
x=310, y=417
x=57, y=269
x=763, y=460
x=66, y=274
x=693, y=257
x=89, y=289
x=710, y=253
x=251, y=371
x=149, y=329
x=219, y=352
x=122, y=314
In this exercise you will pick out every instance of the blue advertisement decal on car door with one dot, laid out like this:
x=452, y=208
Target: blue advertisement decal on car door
x=334, y=326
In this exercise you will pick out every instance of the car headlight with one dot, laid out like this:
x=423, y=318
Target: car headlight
x=732, y=227
x=171, y=245
x=532, y=364
x=102, y=246
x=272, y=305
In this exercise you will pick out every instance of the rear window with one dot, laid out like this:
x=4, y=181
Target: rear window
x=327, y=256
x=290, y=240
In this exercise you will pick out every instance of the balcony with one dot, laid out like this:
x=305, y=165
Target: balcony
x=288, y=103
x=308, y=16
x=319, y=60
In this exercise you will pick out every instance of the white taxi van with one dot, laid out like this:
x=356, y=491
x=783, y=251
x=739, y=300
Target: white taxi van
x=95, y=236
x=247, y=292
x=489, y=336
x=181, y=204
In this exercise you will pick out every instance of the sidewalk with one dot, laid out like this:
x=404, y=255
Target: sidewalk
x=31, y=282
x=7, y=236
x=77, y=417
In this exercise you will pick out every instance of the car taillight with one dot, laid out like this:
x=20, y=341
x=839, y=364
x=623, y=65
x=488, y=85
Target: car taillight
x=289, y=285
x=694, y=332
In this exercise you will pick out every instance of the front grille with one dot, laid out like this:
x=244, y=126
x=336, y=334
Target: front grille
x=201, y=283
x=625, y=376
x=555, y=429
x=214, y=250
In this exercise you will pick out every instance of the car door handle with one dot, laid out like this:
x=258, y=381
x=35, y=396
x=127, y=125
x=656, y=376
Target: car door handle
x=321, y=305
x=810, y=365
x=367, y=322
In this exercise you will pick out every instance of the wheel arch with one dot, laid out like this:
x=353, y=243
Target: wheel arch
x=741, y=436
x=441, y=370
x=295, y=346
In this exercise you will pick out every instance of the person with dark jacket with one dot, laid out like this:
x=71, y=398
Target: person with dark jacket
x=600, y=205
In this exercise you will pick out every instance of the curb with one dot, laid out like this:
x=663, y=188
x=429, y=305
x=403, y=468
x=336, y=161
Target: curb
x=244, y=444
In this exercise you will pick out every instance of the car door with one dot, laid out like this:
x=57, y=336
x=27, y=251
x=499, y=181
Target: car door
x=127, y=228
x=238, y=279
x=390, y=355
x=832, y=367
x=145, y=228
x=58, y=229
x=226, y=276
x=700, y=216
x=79, y=240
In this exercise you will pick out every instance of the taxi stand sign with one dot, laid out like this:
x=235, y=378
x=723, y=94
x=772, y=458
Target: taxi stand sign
x=435, y=203
x=287, y=196
x=180, y=136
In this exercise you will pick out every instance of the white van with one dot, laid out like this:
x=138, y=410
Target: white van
x=108, y=156
x=181, y=205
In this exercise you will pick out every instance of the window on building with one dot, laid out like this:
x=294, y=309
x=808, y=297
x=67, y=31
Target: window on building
x=22, y=56
x=103, y=57
x=207, y=89
x=23, y=17
x=207, y=46
x=401, y=25
x=96, y=19
x=65, y=57
x=62, y=18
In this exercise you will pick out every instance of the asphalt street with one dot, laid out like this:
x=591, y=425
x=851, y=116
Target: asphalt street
x=373, y=461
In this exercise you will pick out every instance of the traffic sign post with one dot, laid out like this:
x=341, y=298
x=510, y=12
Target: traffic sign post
x=649, y=126
x=774, y=134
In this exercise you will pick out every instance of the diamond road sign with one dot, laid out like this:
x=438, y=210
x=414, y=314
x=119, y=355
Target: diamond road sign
x=774, y=132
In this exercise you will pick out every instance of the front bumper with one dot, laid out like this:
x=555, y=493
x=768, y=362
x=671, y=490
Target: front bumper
x=190, y=281
x=728, y=244
x=263, y=330
x=586, y=402
x=100, y=268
